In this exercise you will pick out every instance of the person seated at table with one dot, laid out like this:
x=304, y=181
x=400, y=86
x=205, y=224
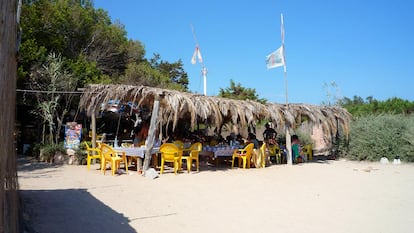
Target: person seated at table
x=297, y=153
x=240, y=140
x=231, y=138
x=140, y=134
x=251, y=138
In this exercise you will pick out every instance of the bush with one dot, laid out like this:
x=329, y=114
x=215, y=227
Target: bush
x=80, y=154
x=48, y=151
x=376, y=136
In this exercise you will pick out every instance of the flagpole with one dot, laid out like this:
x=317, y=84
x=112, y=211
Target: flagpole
x=287, y=126
x=203, y=68
x=288, y=139
x=204, y=72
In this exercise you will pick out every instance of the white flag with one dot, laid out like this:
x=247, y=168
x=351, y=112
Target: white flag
x=275, y=59
x=200, y=59
x=196, y=55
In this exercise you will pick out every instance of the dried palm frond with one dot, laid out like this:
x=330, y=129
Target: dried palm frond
x=216, y=111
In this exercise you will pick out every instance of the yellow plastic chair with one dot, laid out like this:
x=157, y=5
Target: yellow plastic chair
x=262, y=156
x=274, y=150
x=170, y=153
x=98, y=137
x=307, y=149
x=92, y=153
x=126, y=144
x=193, y=155
x=130, y=158
x=180, y=145
x=243, y=155
x=114, y=158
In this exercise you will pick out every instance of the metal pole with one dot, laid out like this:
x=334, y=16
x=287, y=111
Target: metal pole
x=203, y=69
x=204, y=72
x=288, y=140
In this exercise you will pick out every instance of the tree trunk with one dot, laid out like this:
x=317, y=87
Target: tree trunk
x=8, y=75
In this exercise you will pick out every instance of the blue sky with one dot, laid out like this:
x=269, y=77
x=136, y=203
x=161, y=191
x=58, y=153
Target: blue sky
x=365, y=46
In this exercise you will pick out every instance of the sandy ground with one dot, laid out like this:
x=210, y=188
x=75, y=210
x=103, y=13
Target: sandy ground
x=322, y=196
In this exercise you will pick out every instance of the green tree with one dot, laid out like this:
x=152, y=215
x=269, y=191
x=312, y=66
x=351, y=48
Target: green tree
x=54, y=86
x=143, y=74
x=360, y=107
x=174, y=71
x=91, y=48
x=91, y=45
x=238, y=92
x=157, y=73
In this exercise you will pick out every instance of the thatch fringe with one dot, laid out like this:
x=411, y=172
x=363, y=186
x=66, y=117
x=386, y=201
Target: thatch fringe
x=175, y=105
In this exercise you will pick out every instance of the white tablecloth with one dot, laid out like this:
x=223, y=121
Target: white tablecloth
x=136, y=151
x=221, y=151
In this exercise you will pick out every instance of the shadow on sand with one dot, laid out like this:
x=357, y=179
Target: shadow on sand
x=69, y=211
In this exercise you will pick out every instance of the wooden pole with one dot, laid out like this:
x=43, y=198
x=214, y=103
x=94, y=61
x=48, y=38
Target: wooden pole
x=93, y=128
x=9, y=27
x=151, y=134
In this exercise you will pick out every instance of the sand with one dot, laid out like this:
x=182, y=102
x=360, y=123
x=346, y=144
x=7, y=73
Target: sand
x=323, y=196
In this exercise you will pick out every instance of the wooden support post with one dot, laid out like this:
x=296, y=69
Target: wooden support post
x=93, y=128
x=9, y=187
x=151, y=134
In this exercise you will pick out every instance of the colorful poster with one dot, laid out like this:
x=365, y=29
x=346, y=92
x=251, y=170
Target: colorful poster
x=73, y=134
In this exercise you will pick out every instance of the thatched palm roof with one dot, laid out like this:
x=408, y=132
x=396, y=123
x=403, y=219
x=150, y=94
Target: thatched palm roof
x=175, y=105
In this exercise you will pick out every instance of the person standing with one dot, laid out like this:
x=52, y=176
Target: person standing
x=269, y=135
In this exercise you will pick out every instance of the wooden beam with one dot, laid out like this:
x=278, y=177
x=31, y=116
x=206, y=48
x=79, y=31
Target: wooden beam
x=93, y=128
x=151, y=134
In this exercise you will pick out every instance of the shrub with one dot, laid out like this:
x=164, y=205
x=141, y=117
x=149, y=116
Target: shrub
x=48, y=151
x=384, y=135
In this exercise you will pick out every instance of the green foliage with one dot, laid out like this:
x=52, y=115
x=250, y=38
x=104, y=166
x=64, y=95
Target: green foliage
x=85, y=71
x=51, y=149
x=60, y=26
x=376, y=136
x=408, y=139
x=174, y=71
x=93, y=48
x=358, y=107
x=156, y=74
x=143, y=74
x=48, y=151
x=49, y=79
x=238, y=92
x=30, y=53
x=87, y=41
